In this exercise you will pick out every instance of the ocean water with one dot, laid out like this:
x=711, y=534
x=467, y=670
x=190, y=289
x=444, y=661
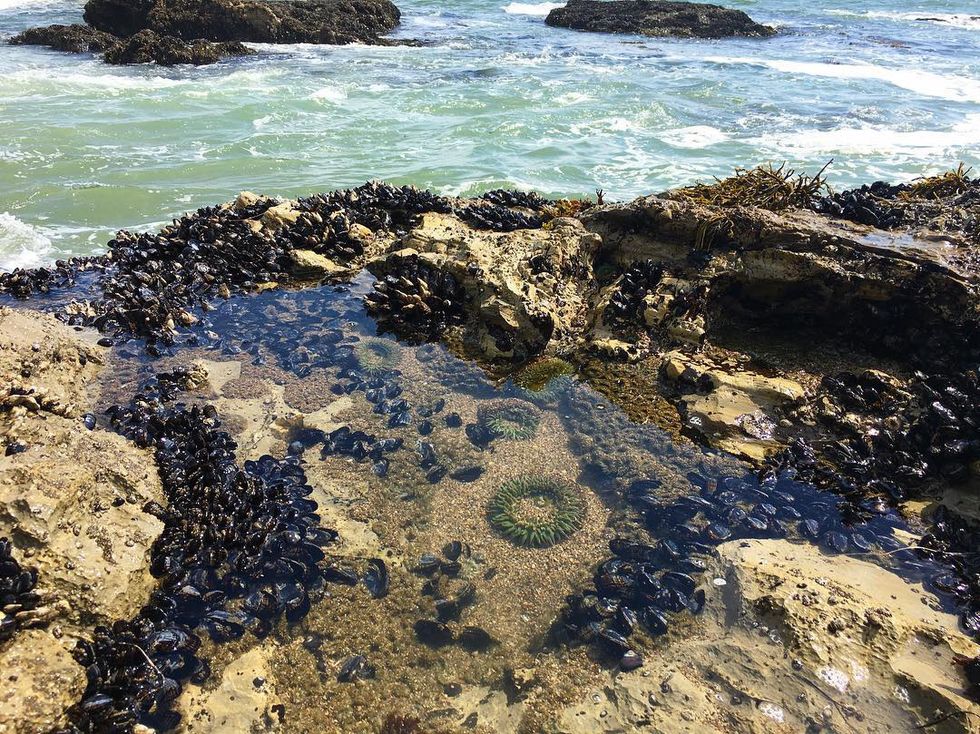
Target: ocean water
x=496, y=98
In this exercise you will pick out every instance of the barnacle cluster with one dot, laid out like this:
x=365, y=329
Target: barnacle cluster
x=536, y=511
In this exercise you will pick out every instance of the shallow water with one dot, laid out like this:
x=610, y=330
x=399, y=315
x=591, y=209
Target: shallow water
x=888, y=89
x=288, y=371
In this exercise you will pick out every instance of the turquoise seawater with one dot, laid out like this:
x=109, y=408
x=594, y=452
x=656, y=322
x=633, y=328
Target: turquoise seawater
x=496, y=98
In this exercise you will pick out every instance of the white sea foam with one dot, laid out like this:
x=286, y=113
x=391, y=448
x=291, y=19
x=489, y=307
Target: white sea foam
x=957, y=20
x=570, y=98
x=21, y=245
x=536, y=9
x=18, y=4
x=332, y=94
x=925, y=83
x=695, y=136
x=877, y=140
x=112, y=83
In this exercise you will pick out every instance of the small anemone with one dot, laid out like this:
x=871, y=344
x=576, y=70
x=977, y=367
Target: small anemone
x=536, y=511
x=544, y=380
x=513, y=419
x=375, y=356
x=539, y=374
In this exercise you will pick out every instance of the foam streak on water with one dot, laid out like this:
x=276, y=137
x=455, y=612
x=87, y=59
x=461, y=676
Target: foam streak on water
x=888, y=88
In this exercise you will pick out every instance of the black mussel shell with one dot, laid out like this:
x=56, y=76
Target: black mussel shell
x=355, y=667
x=431, y=632
x=475, y=639
x=376, y=578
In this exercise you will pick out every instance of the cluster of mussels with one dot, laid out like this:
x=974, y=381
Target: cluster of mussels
x=149, y=285
x=26, y=282
x=240, y=548
x=418, y=300
x=451, y=595
x=327, y=223
x=638, y=290
x=643, y=583
x=954, y=541
x=16, y=590
x=931, y=430
x=872, y=204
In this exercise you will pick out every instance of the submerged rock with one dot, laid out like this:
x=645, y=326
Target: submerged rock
x=292, y=21
x=654, y=18
x=74, y=38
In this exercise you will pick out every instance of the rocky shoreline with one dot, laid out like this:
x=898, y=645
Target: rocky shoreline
x=763, y=315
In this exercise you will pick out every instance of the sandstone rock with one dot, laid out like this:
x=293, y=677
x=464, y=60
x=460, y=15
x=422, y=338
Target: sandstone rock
x=616, y=349
x=526, y=288
x=75, y=38
x=241, y=701
x=308, y=265
x=734, y=409
x=886, y=290
x=39, y=680
x=762, y=658
x=245, y=199
x=905, y=645
x=654, y=18
x=289, y=21
x=73, y=500
x=280, y=215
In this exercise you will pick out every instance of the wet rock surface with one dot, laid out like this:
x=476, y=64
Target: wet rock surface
x=75, y=38
x=654, y=18
x=71, y=497
x=148, y=47
x=296, y=21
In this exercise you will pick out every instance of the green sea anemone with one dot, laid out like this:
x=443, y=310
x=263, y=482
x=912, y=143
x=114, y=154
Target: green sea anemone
x=536, y=511
x=376, y=355
x=514, y=419
x=545, y=380
x=538, y=375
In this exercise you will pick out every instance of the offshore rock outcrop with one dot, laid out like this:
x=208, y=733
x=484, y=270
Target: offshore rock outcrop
x=205, y=31
x=292, y=21
x=656, y=18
